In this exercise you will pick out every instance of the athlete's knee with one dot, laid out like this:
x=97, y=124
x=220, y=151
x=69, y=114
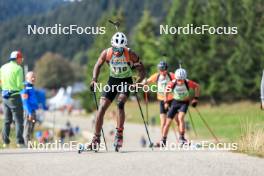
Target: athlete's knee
x=181, y=117
x=167, y=125
x=163, y=124
x=102, y=107
x=121, y=105
x=104, y=103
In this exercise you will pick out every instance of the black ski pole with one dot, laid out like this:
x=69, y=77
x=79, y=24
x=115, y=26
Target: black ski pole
x=116, y=24
x=206, y=124
x=142, y=115
x=95, y=100
x=191, y=119
x=146, y=101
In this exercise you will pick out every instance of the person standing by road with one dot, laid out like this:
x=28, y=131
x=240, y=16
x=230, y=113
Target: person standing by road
x=11, y=76
x=30, y=105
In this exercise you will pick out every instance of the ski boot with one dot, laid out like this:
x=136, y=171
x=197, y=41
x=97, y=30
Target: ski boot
x=183, y=141
x=93, y=146
x=118, y=139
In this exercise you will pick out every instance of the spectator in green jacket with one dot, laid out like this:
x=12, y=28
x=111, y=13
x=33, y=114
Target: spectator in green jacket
x=11, y=76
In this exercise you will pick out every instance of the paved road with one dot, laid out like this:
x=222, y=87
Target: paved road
x=132, y=160
x=132, y=132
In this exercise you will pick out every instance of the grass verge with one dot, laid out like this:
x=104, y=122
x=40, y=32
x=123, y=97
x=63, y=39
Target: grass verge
x=251, y=140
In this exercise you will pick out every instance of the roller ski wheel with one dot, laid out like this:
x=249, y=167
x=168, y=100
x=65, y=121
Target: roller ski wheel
x=117, y=148
x=195, y=145
x=184, y=142
x=151, y=145
x=93, y=146
x=159, y=144
x=162, y=143
x=83, y=148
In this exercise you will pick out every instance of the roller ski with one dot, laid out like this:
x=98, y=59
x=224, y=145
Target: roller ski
x=190, y=144
x=162, y=143
x=93, y=146
x=184, y=142
x=118, y=143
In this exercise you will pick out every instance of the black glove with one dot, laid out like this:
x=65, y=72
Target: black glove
x=194, y=102
x=92, y=85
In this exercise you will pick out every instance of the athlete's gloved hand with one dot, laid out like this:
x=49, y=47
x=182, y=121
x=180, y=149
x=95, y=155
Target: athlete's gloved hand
x=92, y=85
x=194, y=102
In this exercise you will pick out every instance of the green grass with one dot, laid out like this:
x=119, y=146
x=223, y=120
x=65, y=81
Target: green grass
x=252, y=140
x=12, y=136
x=225, y=120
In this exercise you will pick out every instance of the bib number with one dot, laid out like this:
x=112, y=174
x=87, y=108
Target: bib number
x=117, y=70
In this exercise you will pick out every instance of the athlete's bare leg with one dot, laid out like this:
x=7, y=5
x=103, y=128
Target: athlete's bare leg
x=121, y=100
x=104, y=104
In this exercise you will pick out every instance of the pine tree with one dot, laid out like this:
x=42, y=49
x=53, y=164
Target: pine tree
x=146, y=44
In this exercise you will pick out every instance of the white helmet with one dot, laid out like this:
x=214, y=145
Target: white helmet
x=119, y=40
x=15, y=55
x=180, y=73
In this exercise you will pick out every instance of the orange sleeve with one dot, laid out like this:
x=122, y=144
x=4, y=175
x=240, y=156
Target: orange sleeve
x=170, y=85
x=153, y=78
x=172, y=75
x=192, y=84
